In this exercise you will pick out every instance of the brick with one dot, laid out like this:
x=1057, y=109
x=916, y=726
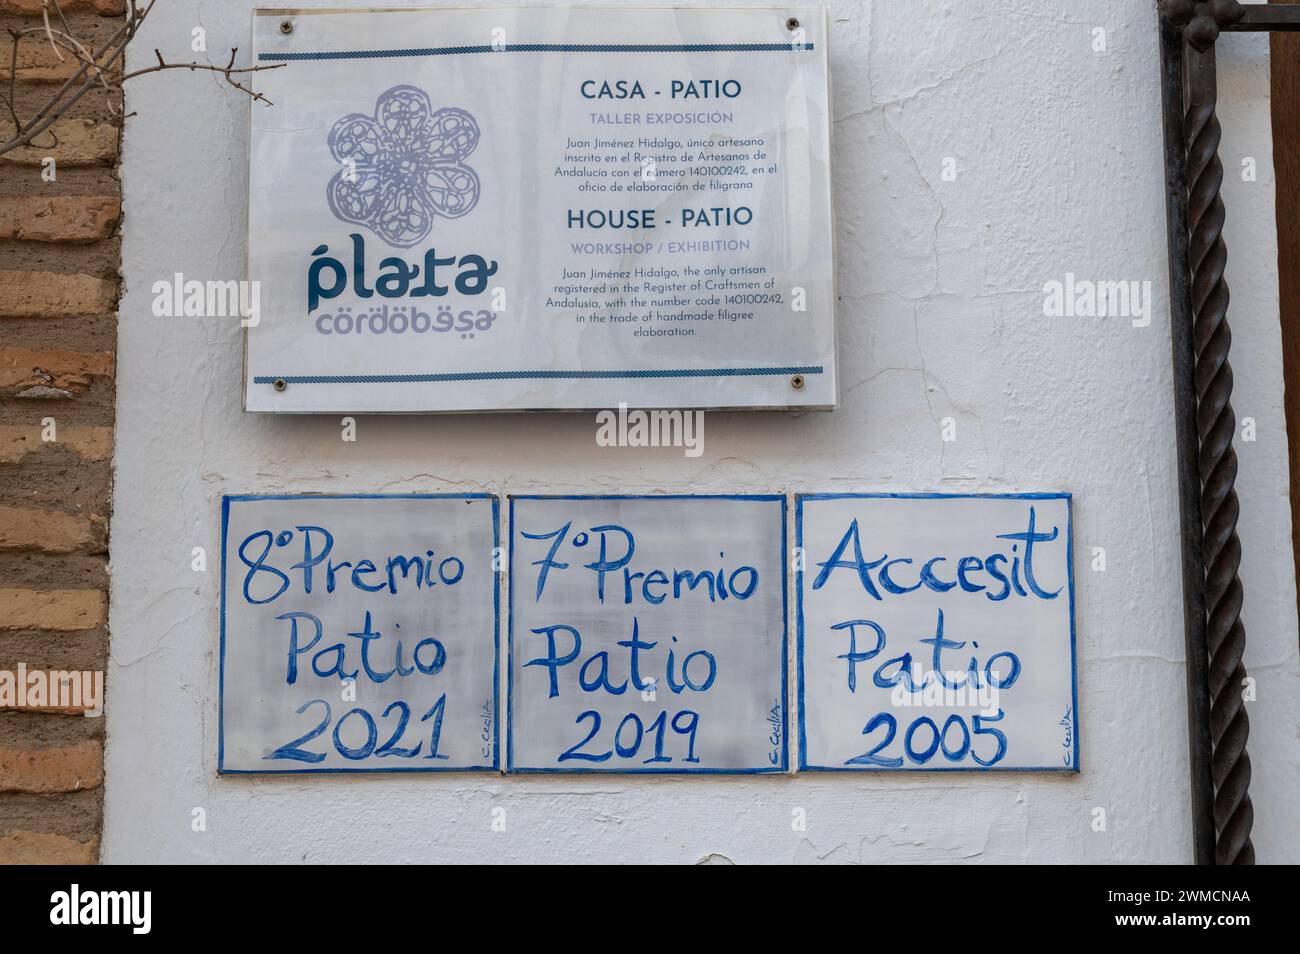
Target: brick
x=54, y=768
x=38, y=848
x=56, y=710
x=54, y=72
x=55, y=295
x=80, y=142
x=48, y=769
x=81, y=218
x=49, y=531
x=62, y=611
x=32, y=8
x=89, y=443
x=38, y=63
x=62, y=373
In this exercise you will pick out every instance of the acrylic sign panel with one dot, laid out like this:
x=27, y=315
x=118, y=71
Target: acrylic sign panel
x=936, y=633
x=541, y=208
x=647, y=634
x=358, y=633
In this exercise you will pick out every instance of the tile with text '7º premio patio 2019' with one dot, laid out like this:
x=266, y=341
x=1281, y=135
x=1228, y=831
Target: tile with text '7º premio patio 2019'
x=648, y=634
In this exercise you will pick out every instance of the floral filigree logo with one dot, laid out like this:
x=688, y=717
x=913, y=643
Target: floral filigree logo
x=403, y=167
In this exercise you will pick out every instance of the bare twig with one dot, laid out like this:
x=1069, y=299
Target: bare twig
x=63, y=100
x=228, y=72
x=45, y=16
x=58, y=100
x=63, y=19
x=78, y=49
x=13, y=78
x=102, y=70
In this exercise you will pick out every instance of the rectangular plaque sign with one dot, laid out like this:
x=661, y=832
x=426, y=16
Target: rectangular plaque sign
x=358, y=633
x=936, y=632
x=647, y=634
x=541, y=208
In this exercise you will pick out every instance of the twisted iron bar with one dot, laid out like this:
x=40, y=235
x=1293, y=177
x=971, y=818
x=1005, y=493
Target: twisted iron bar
x=1216, y=422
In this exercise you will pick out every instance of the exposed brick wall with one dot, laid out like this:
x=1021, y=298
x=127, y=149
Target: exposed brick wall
x=59, y=263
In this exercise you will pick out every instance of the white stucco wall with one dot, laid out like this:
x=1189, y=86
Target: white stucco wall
x=1058, y=153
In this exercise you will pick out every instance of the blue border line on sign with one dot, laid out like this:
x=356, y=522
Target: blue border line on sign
x=785, y=634
x=542, y=48
x=453, y=376
x=783, y=768
x=798, y=613
x=496, y=635
x=221, y=646
x=799, y=638
x=226, y=500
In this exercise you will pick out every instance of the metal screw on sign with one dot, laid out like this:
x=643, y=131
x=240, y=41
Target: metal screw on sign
x=286, y=26
x=279, y=384
x=792, y=24
x=797, y=382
